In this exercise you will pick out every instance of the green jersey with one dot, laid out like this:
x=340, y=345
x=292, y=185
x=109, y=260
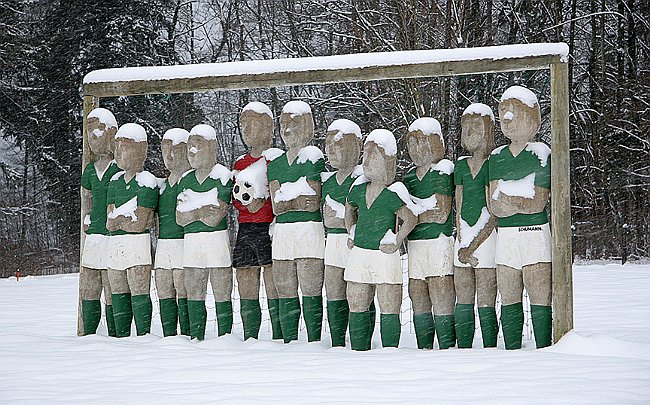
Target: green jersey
x=98, y=186
x=140, y=191
x=309, y=163
x=373, y=223
x=220, y=179
x=338, y=193
x=438, y=180
x=168, y=228
x=473, y=195
x=518, y=175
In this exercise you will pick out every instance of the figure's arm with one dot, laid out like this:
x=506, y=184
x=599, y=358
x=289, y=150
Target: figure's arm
x=499, y=207
x=309, y=203
x=409, y=221
x=185, y=218
x=440, y=213
x=86, y=205
x=211, y=215
x=256, y=205
x=530, y=205
x=113, y=224
x=459, y=206
x=466, y=254
x=330, y=219
x=280, y=207
x=350, y=221
x=144, y=217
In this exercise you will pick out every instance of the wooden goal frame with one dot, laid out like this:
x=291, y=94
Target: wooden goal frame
x=377, y=66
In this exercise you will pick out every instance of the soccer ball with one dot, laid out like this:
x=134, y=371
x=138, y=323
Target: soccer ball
x=243, y=192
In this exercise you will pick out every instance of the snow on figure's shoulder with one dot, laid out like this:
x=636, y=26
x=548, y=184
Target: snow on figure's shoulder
x=324, y=176
x=186, y=173
x=240, y=158
x=463, y=158
x=310, y=153
x=272, y=153
x=384, y=139
x=117, y=175
x=522, y=94
x=541, y=150
x=358, y=171
x=146, y=179
x=498, y=150
x=162, y=184
x=219, y=172
x=445, y=166
x=402, y=192
x=362, y=179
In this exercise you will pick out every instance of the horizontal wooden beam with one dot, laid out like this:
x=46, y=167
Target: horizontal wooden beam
x=321, y=70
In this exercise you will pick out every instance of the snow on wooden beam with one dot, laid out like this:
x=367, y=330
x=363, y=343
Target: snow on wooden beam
x=322, y=69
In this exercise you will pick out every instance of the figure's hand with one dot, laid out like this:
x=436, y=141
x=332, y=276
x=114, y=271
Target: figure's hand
x=307, y=203
x=388, y=248
x=467, y=257
x=256, y=204
x=330, y=219
x=350, y=243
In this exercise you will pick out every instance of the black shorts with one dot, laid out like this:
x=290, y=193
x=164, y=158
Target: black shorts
x=253, y=245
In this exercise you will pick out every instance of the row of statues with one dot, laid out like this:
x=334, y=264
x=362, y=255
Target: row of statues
x=303, y=228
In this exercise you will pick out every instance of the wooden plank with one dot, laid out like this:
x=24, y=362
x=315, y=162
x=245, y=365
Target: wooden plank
x=561, y=203
x=90, y=103
x=317, y=76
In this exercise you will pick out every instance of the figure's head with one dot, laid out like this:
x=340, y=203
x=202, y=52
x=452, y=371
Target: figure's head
x=380, y=156
x=202, y=147
x=296, y=124
x=424, y=141
x=174, y=149
x=519, y=114
x=256, y=121
x=131, y=147
x=343, y=144
x=477, y=129
x=101, y=127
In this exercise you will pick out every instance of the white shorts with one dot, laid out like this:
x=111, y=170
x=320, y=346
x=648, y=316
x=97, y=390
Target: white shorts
x=169, y=254
x=94, y=255
x=484, y=253
x=524, y=245
x=298, y=240
x=130, y=250
x=207, y=249
x=336, y=250
x=431, y=257
x=373, y=267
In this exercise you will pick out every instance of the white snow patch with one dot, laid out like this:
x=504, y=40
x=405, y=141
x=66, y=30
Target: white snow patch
x=541, y=150
x=463, y=158
x=126, y=210
x=220, y=172
x=189, y=200
x=132, y=131
x=516, y=188
x=104, y=116
x=402, y=192
x=479, y=109
x=87, y=219
x=296, y=108
x=360, y=180
x=205, y=131
x=324, y=176
x=176, y=135
x=423, y=205
x=117, y=175
x=522, y=94
x=255, y=175
x=426, y=125
x=444, y=166
x=146, y=179
x=358, y=171
x=310, y=153
x=352, y=231
x=293, y=189
x=272, y=153
x=508, y=115
x=389, y=238
x=258, y=107
x=338, y=208
x=469, y=232
x=344, y=126
x=498, y=150
x=384, y=139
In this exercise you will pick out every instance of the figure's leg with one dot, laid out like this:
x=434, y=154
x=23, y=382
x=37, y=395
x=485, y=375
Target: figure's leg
x=181, y=294
x=422, y=316
x=537, y=280
x=443, y=296
x=337, y=304
x=511, y=287
x=273, y=301
x=167, y=300
x=90, y=281
x=361, y=300
x=311, y=274
x=465, y=286
x=390, y=302
x=221, y=280
x=121, y=299
x=196, y=285
x=285, y=277
x=486, y=293
x=108, y=296
x=248, y=284
x=139, y=278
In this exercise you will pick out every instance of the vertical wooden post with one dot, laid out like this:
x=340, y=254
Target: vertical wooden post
x=90, y=103
x=561, y=202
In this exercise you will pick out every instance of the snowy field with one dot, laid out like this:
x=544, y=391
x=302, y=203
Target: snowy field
x=606, y=360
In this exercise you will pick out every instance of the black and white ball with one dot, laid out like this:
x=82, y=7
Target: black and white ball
x=243, y=192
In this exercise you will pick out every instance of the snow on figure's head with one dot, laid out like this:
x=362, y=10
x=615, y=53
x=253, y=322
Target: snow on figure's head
x=256, y=122
x=380, y=157
x=174, y=149
x=343, y=144
x=104, y=116
x=131, y=147
x=424, y=141
x=101, y=127
x=205, y=131
x=477, y=129
x=202, y=147
x=296, y=124
x=176, y=136
x=519, y=114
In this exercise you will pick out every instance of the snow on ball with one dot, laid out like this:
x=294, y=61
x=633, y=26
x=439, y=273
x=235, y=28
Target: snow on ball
x=243, y=192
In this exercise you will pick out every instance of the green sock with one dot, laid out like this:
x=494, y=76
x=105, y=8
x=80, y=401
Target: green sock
x=251, y=318
x=359, y=330
x=110, y=321
x=424, y=329
x=274, y=314
x=183, y=317
x=142, y=313
x=91, y=313
x=289, y=310
x=169, y=316
x=337, y=318
x=464, y=318
x=224, y=317
x=122, y=314
x=372, y=320
x=445, y=330
x=312, y=308
x=542, y=324
x=512, y=324
x=489, y=326
x=390, y=328
x=197, y=315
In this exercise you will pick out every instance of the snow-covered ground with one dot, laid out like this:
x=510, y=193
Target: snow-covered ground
x=606, y=360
